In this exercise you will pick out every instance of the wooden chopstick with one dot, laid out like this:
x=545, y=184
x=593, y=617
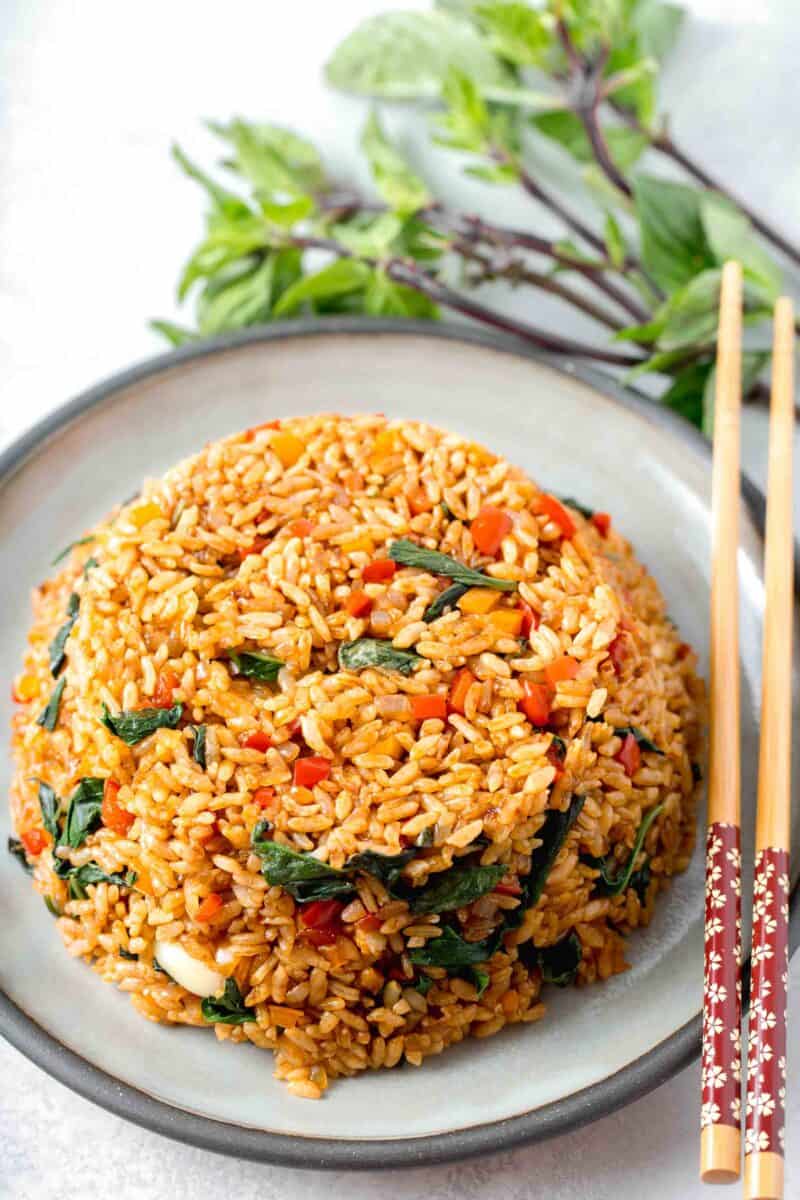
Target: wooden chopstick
x=766, y=1062
x=720, y=1141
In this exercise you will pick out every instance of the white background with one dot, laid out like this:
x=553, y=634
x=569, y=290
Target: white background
x=94, y=224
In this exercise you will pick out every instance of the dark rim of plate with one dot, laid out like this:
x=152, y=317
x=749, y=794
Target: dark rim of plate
x=636, y=1079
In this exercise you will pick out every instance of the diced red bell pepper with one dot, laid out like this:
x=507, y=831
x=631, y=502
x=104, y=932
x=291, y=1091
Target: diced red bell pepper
x=602, y=523
x=379, y=571
x=311, y=770
x=536, y=698
x=462, y=682
x=300, y=528
x=489, y=528
x=511, y=888
x=371, y=923
x=629, y=755
x=264, y=797
x=530, y=619
x=424, y=707
x=547, y=505
x=618, y=652
x=255, y=547
x=258, y=741
x=209, y=907
x=34, y=840
x=113, y=815
x=358, y=604
x=166, y=684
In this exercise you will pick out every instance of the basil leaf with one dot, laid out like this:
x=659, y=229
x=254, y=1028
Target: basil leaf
x=558, y=963
x=304, y=877
x=685, y=394
x=48, y=717
x=517, y=33
x=730, y=235
x=400, y=187
x=609, y=883
x=409, y=554
x=51, y=906
x=90, y=563
x=56, y=652
x=339, y=278
x=625, y=145
x=50, y=806
x=83, y=813
x=455, y=888
x=385, y=298
x=256, y=664
x=199, y=745
x=227, y=1009
x=385, y=867
x=126, y=954
x=16, y=848
x=552, y=834
x=642, y=740
x=674, y=244
x=374, y=652
x=423, y=985
x=275, y=161
x=588, y=513
x=138, y=723
x=658, y=26
x=453, y=953
x=78, y=542
x=447, y=511
x=446, y=599
x=80, y=877
x=640, y=881
x=480, y=980
x=407, y=56
x=176, y=335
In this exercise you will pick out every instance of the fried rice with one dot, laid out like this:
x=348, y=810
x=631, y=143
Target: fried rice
x=264, y=787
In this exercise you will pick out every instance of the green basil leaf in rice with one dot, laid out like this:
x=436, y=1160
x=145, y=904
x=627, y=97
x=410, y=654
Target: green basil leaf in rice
x=126, y=954
x=304, y=877
x=89, y=565
x=560, y=746
x=138, y=723
x=455, y=888
x=83, y=813
x=613, y=880
x=256, y=664
x=642, y=740
x=48, y=717
x=57, y=651
x=588, y=513
x=453, y=953
x=423, y=985
x=409, y=554
x=552, y=835
x=50, y=806
x=17, y=850
x=227, y=1009
x=447, y=511
x=84, y=541
x=480, y=980
x=640, y=881
x=558, y=963
x=377, y=653
x=199, y=745
x=80, y=877
x=385, y=867
x=446, y=599
x=51, y=906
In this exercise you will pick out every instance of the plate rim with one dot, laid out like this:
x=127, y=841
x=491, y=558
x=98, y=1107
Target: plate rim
x=600, y=1099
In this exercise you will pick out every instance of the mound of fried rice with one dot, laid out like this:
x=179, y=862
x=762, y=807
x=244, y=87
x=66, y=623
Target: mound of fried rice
x=259, y=544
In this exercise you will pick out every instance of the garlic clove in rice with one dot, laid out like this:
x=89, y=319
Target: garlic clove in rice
x=189, y=972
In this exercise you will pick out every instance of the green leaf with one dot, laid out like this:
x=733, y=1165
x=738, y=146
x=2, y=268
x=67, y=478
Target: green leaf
x=730, y=235
x=57, y=651
x=17, y=850
x=466, y=124
x=227, y=1009
x=673, y=240
x=376, y=653
x=625, y=145
x=48, y=717
x=446, y=599
x=500, y=173
x=642, y=740
x=53, y=908
x=455, y=888
x=337, y=279
x=83, y=813
x=84, y=541
x=551, y=835
x=80, y=877
x=385, y=867
x=138, y=723
x=480, y=980
x=223, y=200
x=256, y=664
x=50, y=806
x=453, y=953
x=614, y=240
x=658, y=26
x=400, y=187
x=385, y=298
x=275, y=161
x=559, y=963
x=685, y=394
x=583, y=509
x=301, y=875
x=407, y=56
x=241, y=297
x=176, y=335
x=423, y=985
x=199, y=745
x=287, y=214
x=613, y=880
x=409, y=554
x=516, y=32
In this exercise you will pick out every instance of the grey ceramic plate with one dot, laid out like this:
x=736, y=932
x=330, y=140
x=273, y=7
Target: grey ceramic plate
x=573, y=431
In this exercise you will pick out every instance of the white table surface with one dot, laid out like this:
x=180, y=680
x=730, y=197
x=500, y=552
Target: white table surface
x=94, y=224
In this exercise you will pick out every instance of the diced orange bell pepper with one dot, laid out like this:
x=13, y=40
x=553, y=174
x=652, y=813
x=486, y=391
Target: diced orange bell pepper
x=563, y=668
